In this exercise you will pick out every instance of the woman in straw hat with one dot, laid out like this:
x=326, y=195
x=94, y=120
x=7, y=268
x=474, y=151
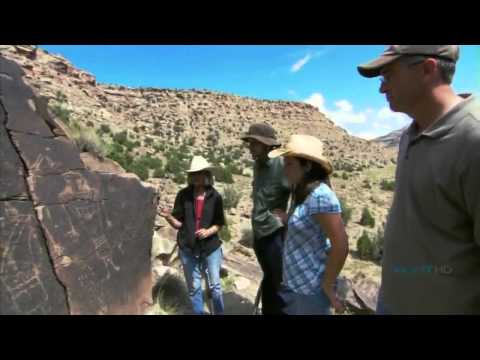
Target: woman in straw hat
x=198, y=216
x=316, y=245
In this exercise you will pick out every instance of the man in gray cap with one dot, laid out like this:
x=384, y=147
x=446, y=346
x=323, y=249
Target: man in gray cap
x=270, y=192
x=431, y=262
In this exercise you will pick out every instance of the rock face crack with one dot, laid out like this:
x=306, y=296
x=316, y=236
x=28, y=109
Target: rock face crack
x=30, y=198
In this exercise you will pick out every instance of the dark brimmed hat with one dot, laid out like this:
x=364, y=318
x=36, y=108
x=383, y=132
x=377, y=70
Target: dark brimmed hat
x=263, y=133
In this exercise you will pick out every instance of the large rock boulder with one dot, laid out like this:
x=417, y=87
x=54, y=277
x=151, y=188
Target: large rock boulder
x=360, y=294
x=72, y=240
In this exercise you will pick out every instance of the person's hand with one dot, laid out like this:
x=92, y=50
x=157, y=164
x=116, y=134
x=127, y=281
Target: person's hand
x=203, y=233
x=164, y=213
x=332, y=296
x=282, y=215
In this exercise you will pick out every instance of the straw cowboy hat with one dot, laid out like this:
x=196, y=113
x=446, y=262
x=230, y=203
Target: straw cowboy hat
x=304, y=146
x=263, y=133
x=199, y=164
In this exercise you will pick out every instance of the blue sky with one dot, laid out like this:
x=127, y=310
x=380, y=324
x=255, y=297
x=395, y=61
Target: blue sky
x=323, y=75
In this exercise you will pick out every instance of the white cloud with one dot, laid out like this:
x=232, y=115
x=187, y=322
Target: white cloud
x=344, y=105
x=343, y=113
x=301, y=63
x=317, y=100
x=368, y=123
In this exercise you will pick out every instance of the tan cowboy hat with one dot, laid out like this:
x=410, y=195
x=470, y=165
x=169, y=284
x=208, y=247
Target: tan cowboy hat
x=304, y=146
x=199, y=163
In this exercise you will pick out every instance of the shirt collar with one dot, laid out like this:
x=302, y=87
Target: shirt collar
x=445, y=124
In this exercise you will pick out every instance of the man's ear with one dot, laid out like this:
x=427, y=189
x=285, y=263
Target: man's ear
x=430, y=66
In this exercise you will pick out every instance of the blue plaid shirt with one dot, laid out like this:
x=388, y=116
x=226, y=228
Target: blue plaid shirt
x=306, y=245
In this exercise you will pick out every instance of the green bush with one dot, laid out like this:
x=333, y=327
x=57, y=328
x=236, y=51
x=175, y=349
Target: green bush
x=63, y=114
x=224, y=175
x=179, y=178
x=366, y=184
x=224, y=233
x=228, y=284
x=151, y=162
x=367, y=218
x=231, y=197
x=117, y=152
x=105, y=129
x=365, y=247
x=345, y=176
x=61, y=97
x=148, y=140
x=370, y=247
x=178, y=129
x=346, y=211
x=236, y=169
x=88, y=140
x=159, y=173
x=237, y=154
x=138, y=168
x=121, y=137
x=159, y=148
x=387, y=185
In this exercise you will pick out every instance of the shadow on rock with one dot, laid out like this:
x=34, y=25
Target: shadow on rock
x=171, y=293
x=236, y=304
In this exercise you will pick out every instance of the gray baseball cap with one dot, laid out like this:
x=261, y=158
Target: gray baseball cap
x=394, y=52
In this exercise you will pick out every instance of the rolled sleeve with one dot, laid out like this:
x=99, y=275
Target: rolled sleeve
x=323, y=201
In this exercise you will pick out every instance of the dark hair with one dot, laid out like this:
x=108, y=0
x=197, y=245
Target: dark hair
x=313, y=178
x=447, y=70
x=209, y=180
x=446, y=67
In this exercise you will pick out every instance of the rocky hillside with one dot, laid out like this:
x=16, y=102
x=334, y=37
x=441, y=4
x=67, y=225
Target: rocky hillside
x=153, y=132
x=391, y=139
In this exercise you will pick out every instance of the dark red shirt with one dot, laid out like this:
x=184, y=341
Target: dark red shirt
x=199, y=202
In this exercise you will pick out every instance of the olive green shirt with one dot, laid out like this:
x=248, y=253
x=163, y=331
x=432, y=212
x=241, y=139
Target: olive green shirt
x=431, y=262
x=270, y=191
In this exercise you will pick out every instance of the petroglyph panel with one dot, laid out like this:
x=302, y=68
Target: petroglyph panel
x=27, y=282
x=92, y=254
x=47, y=156
x=75, y=185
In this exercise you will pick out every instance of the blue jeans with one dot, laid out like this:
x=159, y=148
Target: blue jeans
x=193, y=267
x=299, y=304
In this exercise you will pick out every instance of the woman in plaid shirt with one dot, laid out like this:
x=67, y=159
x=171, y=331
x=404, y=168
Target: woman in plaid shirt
x=316, y=244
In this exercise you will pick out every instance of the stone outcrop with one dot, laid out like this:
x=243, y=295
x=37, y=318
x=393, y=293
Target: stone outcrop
x=74, y=239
